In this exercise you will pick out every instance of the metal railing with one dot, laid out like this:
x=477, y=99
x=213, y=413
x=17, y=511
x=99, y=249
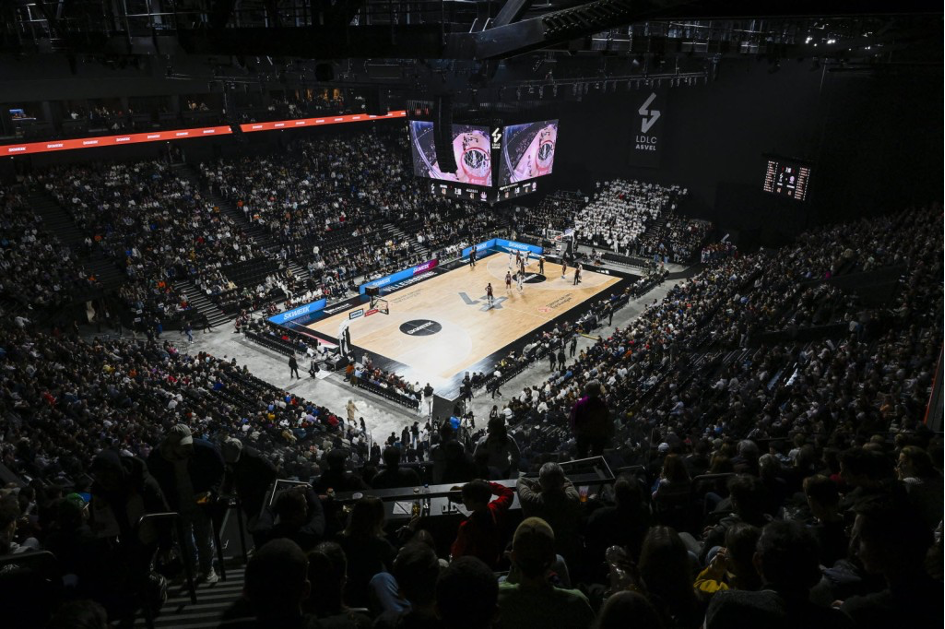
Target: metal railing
x=157, y=518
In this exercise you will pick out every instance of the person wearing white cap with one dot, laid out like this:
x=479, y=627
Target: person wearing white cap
x=190, y=472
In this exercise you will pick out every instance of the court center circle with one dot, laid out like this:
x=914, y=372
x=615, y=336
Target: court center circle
x=420, y=327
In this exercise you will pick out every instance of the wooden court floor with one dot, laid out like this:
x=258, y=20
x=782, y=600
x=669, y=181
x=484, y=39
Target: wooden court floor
x=444, y=325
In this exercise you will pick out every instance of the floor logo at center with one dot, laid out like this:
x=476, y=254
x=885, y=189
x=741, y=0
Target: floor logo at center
x=420, y=327
x=534, y=278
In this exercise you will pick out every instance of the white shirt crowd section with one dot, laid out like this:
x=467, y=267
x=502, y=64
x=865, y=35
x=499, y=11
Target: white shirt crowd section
x=622, y=210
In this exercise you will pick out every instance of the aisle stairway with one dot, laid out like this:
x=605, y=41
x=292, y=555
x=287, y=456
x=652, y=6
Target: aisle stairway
x=202, y=303
x=212, y=600
x=105, y=269
x=654, y=233
x=60, y=224
x=55, y=219
x=260, y=235
x=298, y=270
x=397, y=235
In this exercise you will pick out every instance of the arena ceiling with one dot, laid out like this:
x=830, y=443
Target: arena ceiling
x=433, y=44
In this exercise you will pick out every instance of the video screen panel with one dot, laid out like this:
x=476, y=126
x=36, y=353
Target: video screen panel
x=471, y=149
x=528, y=151
x=787, y=178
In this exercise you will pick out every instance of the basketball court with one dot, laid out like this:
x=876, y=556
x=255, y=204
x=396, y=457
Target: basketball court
x=444, y=326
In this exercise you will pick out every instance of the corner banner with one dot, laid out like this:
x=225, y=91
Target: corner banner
x=479, y=247
x=647, y=118
x=503, y=245
x=400, y=276
x=295, y=313
x=511, y=245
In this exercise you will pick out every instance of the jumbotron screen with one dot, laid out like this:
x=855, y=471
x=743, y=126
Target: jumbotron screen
x=787, y=178
x=471, y=149
x=528, y=151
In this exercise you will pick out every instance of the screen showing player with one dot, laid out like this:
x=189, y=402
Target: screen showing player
x=470, y=149
x=528, y=151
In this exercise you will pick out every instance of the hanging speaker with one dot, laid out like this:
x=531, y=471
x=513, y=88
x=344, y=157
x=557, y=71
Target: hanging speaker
x=376, y=102
x=443, y=134
x=324, y=72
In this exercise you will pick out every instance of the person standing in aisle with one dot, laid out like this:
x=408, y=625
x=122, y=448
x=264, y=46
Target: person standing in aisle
x=294, y=367
x=428, y=400
x=573, y=345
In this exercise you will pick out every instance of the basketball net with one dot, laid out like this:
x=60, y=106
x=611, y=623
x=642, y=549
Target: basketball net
x=379, y=304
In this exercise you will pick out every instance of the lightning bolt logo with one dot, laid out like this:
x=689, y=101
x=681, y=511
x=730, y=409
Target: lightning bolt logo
x=645, y=111
x=496, y=135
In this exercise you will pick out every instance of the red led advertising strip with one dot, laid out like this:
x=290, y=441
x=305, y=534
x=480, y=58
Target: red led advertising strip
x=252, y=127
x=111, y=140
x=181, y=134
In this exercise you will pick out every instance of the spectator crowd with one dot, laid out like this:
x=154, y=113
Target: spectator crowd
x=773, y=468
x=621, y=211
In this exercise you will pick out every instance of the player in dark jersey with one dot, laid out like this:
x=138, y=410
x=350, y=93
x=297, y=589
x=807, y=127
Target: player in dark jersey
x=508, y=280
x=489, y=297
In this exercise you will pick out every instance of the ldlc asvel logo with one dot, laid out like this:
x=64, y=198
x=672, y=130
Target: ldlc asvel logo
x=649, y=116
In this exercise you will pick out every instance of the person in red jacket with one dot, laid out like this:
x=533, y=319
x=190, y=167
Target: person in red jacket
x=483, y=534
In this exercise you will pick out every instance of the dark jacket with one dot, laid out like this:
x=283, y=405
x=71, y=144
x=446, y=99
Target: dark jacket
x=205, y=468
x=138, y=493
x=392, y=478
x=591, y=418
x=251, y=477
x=306, y=536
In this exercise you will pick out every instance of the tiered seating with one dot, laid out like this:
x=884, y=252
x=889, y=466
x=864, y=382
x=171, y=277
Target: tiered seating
x=386, y=392
x=621, y=211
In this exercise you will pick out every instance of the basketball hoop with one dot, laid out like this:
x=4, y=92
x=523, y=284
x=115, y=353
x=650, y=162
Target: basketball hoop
x=379, y=305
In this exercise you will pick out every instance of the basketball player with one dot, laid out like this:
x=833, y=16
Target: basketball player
x=541, y=264
x=518, y=259
x=511, y=257
x=577, y=274
x=489, y=294
x=564, y=268
x=508, y=281
x=521, y=278
x=472, y=257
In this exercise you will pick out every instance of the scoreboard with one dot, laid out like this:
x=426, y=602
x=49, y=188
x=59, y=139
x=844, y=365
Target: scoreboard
x=787, y=177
